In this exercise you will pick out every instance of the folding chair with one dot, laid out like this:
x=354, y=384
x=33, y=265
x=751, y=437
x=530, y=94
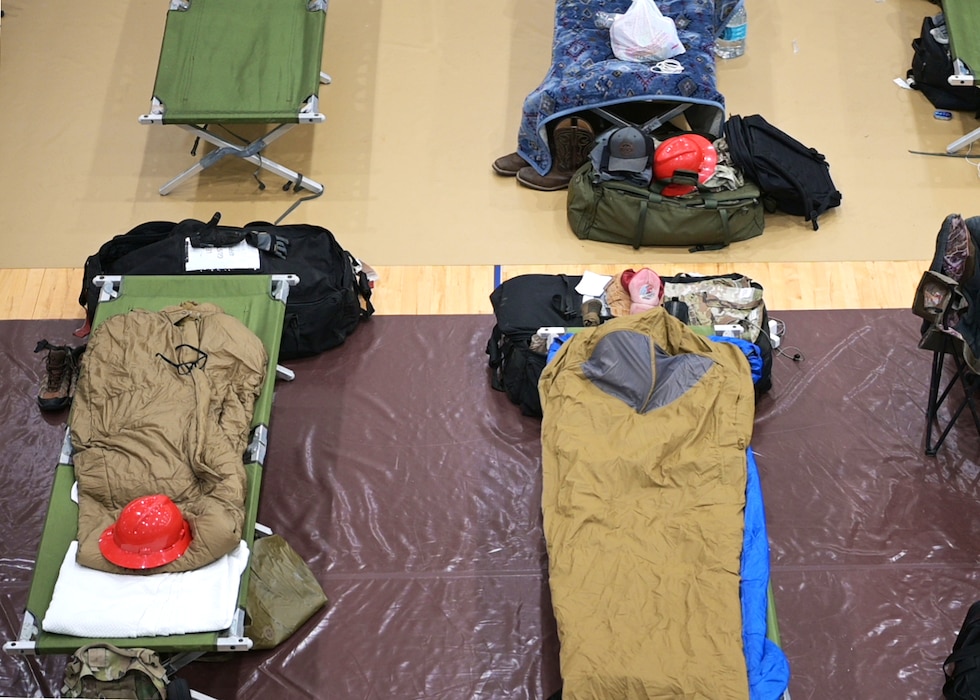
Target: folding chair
x=947, y=299
x=240, y=62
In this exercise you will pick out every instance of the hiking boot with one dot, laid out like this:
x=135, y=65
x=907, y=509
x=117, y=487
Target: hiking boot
x=59, y=367
x=509, y=165
x=592, y=312
x=573, y=139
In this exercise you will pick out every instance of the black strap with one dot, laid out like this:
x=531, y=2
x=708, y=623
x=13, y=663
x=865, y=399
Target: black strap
x=711, y=202
x=363, y=286
x=216, y=238
x=565, y=303
x=684, y=177
x=641, y=221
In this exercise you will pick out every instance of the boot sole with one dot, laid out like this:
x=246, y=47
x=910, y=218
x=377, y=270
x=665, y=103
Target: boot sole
x=541, y=187
x=504, y=173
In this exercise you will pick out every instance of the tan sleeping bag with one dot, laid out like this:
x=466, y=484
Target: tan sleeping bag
x=644, y=435
x=140, y=425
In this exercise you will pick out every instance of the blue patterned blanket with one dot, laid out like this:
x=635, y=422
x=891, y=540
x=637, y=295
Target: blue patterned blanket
x=585, y=75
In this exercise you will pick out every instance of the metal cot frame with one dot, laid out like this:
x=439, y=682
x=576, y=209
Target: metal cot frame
x=240, y=62
x=259, y=301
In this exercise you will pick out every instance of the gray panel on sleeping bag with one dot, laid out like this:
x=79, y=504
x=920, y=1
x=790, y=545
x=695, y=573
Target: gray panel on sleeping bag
x=621, y=365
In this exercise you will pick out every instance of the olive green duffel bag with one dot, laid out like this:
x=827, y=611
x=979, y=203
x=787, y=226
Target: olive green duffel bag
x=615, y=211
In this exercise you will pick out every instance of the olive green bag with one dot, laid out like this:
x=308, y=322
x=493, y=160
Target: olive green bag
x=282, y=593
x=615, y=211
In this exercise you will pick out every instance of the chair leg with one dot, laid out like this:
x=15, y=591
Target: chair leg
x=932, y=408
x=967, y=381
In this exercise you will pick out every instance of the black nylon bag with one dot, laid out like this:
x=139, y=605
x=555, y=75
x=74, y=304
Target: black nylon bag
x=522, y=305
x=792, y=177
x=932, y=65
x=333, y=296
x=962, y=666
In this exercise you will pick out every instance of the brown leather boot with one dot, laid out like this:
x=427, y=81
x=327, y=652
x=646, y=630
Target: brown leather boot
x=509, y=165
x=571, y=144
x=573, y=139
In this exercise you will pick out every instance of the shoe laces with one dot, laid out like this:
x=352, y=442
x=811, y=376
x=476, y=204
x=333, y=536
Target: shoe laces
x=57, y=364
x=59, y=361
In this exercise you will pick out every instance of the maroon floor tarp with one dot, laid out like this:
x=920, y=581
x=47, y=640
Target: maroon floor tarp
x=412, y=489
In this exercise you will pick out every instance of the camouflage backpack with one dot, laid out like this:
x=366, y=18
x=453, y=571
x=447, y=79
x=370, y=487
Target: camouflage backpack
x=105, y=671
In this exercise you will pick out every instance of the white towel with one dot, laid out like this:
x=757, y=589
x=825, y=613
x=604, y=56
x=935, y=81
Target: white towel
x=97, y=604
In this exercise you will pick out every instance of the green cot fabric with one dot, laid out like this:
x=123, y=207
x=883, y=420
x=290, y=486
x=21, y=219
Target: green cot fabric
x=59, y=530
x=963, y=22
x=239, y=61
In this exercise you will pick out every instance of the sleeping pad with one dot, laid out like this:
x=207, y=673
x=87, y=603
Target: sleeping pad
x=164, y=404
x=644, y=438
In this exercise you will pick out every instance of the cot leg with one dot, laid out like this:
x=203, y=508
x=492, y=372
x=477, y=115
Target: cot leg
x=196, y=695
x=649, y=126
x=186, y=175
x=964, y=141
x=251, y=153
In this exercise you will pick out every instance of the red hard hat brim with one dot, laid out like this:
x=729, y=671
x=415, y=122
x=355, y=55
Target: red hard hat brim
x=133, y=560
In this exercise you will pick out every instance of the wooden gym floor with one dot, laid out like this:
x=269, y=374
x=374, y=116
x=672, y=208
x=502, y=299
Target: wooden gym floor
x=53, y=292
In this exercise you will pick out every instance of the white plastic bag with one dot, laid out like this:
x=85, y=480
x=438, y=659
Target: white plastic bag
x=643, y=34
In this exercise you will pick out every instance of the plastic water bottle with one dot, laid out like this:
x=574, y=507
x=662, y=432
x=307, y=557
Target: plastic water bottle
x=604, y=20
x=731, y=43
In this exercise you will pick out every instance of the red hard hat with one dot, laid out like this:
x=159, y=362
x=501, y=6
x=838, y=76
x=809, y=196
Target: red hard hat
x=690, y=152
x=150, y=532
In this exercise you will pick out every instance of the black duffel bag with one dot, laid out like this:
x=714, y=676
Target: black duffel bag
x=522, y=305
x=333, y=295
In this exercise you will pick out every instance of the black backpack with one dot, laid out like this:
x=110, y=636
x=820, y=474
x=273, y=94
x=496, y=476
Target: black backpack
x=525, y=303
x=932, y=65
x=793, y=178
x=522, y=305
x=962, y=667
x=333, y=295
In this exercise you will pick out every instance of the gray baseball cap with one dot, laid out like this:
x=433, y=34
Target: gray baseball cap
x=630, y=151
